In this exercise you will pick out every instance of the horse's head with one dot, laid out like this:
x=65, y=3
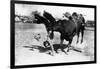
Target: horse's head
x=67, y=15
x=75, y=15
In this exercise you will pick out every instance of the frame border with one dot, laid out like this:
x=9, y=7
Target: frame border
x=12, y=34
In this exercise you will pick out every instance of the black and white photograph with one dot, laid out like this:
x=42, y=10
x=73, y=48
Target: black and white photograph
x=50, y=34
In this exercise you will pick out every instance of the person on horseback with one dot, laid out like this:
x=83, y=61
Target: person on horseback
x=83, y=20
x=67, y=15
x=80, y=24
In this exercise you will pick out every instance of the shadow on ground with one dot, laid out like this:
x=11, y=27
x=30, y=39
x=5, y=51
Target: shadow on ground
x=56, y=47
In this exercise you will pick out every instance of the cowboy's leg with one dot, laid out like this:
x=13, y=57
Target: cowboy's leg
x=69, y=44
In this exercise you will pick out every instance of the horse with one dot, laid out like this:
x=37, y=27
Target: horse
x=48, y=16
x=59, y=27
x=80, y=21
x=68, y=29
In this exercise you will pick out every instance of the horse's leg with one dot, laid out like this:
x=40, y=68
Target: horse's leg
x=64, y=51
x=52, y=48
x=47, y=34
x=62, y=40
x=69, y=44
x=82, y=34
x=61, y=43
x=77, y=37
x=77, y=33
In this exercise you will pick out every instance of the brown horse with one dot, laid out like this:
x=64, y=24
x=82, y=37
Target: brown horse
x=80, y=22
x=68, y=29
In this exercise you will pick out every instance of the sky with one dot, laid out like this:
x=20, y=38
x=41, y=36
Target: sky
x=56, y=11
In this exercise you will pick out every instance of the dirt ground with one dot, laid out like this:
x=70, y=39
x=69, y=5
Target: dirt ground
x=24, y=40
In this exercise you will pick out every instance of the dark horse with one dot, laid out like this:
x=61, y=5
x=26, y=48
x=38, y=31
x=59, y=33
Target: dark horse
x=80, y=21
x=68, y=29
x=65, y=27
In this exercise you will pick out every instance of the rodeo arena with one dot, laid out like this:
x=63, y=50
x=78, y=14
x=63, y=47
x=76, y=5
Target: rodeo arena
x=43, y=38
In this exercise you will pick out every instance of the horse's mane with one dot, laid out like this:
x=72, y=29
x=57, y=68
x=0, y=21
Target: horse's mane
x=49, y=17
x=42, y=19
